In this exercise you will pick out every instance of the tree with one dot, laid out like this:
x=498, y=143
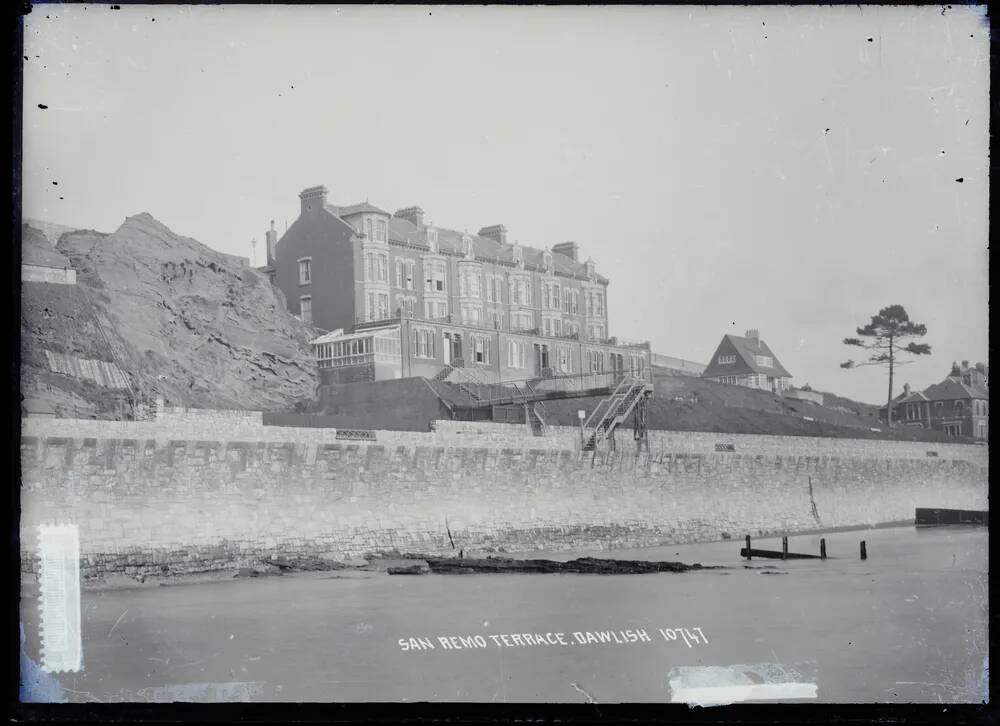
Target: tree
x=885, y=339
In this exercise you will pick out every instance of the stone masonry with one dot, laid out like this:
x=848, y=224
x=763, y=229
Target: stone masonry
x=190, y=493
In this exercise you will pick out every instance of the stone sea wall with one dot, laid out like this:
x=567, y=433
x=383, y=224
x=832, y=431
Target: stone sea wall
x=203, y=491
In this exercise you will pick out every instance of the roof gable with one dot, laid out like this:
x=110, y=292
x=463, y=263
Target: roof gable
x=745, y=350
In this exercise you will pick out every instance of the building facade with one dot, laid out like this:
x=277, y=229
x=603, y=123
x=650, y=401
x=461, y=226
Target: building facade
x=959, y=405
x=747, y=361
x=449, y=298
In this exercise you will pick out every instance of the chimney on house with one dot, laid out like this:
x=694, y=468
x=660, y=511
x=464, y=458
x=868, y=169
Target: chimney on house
x=965, y=365
x=567, y=249
x=981, y=367
x=754, y=335
x=495, y=232
x=313, y=199
x=906, y=389
x=414, y=215
x=272, y=240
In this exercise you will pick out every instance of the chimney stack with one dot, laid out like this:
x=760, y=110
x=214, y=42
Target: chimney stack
x=313, y=199
x=567, y=249
x=906, y=389
x=495, y=232
x=965, y=365
x=272, y=240
x=754, y=335
x=414, y=215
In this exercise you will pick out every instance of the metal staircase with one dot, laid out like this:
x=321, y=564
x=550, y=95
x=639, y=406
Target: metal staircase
x=611, y=411
x=537, y=418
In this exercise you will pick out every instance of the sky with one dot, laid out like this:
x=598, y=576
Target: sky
x=790, y=169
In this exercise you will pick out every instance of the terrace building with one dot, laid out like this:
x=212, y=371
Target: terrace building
x=397, y=297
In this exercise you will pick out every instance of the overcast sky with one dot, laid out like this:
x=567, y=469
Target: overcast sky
x=790, y=169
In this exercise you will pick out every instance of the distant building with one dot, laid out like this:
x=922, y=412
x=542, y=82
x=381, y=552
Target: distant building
x=414, y=298
x=747, y=361
x=676, y=366
x=806, y=393
x=41, y=262
x=959, y=405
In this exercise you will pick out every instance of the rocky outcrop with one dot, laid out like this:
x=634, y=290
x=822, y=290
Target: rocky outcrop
x=199, y=327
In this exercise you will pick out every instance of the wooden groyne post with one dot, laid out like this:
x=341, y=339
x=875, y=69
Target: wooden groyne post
x=864, y=551
x=748, y=547
x=784, y=548
x=822, y=549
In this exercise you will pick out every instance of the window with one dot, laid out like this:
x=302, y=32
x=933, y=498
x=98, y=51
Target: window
x=959, y=408
x=400, y=274
x=498, y=319
x=566, y=295
x=764, y=360
x=472, y=314
x=435, y=309
x=406, y=306
x=481, y=349
x=596, y=360
x=564, y=360
x=423, y=343
x=552, y=295
x=434, y=276
x=380, y=230
x=726, y=360
x=376, y=267
x=599, y=304
x=469, y=283
x=376, y=306
x=306, y=306
x=305, y=270
x=574, y=307
x=517, y=353
x=520, y=291
x=368, y=228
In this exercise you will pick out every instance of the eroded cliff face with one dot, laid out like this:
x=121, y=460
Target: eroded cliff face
x=197, y=326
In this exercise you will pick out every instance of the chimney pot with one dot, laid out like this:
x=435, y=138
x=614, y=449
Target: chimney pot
x=414, y=215
x=567, y=249
x=313, y=199
x=495, y=232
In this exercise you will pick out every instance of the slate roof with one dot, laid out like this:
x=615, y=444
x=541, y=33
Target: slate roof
x=358, y=208
x=746, y=349
x=485, y=249
x=951, y=389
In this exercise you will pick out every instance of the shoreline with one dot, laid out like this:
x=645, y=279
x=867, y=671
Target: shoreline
x=376, y=564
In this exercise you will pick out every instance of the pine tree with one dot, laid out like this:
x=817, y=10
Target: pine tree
x=885, y=340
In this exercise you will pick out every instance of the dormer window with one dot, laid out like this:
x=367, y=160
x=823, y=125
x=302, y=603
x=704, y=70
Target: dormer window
x=467, y=247
x=589, y=264
x=547, y=260
x=432, y=239
x=518, y=255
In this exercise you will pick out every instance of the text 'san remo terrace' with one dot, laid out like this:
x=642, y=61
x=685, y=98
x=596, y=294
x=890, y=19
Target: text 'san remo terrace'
x=690, y=637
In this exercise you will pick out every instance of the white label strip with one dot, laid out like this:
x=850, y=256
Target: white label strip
x=59, y=601
x=722, y=695
x=719, y=685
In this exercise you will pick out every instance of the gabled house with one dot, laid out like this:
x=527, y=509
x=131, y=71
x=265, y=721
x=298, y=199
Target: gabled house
x=747, y=361
x=959, y=405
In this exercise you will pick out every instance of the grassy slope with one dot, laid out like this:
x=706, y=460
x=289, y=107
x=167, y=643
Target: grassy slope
x=681, y=403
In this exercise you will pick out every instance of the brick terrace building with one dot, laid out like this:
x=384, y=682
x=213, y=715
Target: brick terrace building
x=959, y=405
x=417, y=298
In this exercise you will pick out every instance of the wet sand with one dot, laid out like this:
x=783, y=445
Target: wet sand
x=906, y=625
